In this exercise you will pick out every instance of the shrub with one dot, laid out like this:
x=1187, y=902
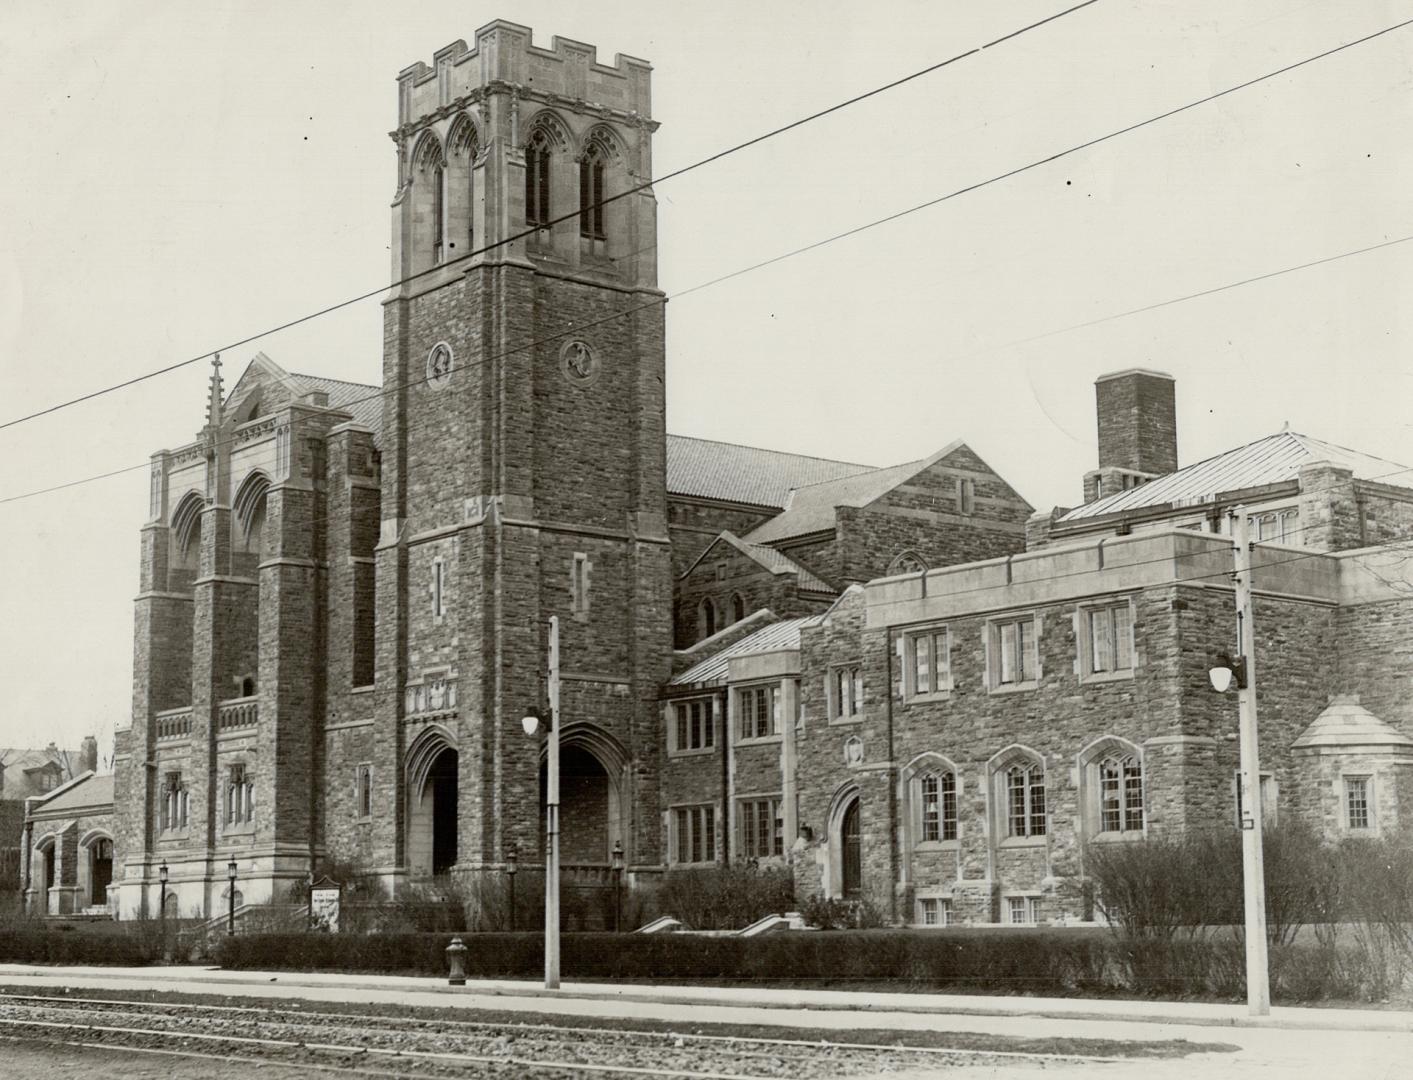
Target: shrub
x=725, y=897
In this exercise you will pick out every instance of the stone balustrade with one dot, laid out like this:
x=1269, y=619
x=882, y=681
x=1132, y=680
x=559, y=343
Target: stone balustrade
x=173, y=723
x=237, y=713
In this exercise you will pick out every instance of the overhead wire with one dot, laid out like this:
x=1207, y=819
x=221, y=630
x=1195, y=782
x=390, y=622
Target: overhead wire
x=536, y=229
x=660, y=300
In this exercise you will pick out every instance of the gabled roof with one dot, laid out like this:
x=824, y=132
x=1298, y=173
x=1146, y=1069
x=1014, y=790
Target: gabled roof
x=708, y=469
x=1271, y=460
x=1345, y=725
x=811, y=508
x=363, y=402
x=88, y=791
x=773, y=638
x=767, y=557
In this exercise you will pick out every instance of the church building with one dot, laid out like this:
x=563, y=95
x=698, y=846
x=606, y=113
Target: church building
x=902, y=682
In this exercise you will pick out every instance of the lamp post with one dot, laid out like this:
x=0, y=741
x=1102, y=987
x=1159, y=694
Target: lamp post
x=532, y=723
x=512, y=864
x=1241, y=670
x=617, y=885
x=230, y=896
x=162, y=898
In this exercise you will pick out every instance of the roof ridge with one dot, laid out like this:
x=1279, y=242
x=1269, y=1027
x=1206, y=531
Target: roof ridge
x=783, y=453
x=1348, y=449
x=330, y=378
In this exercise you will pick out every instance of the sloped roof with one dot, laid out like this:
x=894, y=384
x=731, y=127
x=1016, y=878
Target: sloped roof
x=1347, y=725
x=772, y=560
x=811, y=508
x=1270, y=460
x=86, y=792
x=708, y=469
x=363, y=401
x=773, y=638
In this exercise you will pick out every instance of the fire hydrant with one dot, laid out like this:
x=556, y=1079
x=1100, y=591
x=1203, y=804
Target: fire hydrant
x=456, y=960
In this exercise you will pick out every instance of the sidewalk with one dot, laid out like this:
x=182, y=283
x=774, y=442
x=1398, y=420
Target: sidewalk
x=196, y=979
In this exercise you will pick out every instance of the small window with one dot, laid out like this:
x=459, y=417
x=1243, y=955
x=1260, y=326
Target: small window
x=537, y=180
x=175, y=803
x=579, y=584
x=927, y=663
x=1021, y=910
x=1120, y=794
x=439, y=214
x=694, y=834
x=363, y=788
x=438, y=588
x=935, y=911
x=762, y=828
x=240, y=796
x=966, y=495
x=738, y=607
x=937, y=803
x=706, y=618
x=1108, y=639
x=759, y=709
x=591, y=194
x=1359, y=803
x=845, y=692
x=695, y=729
x=1025, y=800
x=1014, y=652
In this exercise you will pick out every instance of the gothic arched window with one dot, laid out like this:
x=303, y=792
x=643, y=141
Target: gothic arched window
x=591, y=193
x=706, y=618
x=537, y=180
x=738, y=607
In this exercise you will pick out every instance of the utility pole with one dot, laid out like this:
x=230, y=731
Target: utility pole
x=1258, y=981
x=552, y=818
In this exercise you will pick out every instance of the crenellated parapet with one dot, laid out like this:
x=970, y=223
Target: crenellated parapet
x=505, y=54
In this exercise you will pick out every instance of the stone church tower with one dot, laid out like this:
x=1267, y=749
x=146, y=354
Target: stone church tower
x=346, y=589
x=522, y=452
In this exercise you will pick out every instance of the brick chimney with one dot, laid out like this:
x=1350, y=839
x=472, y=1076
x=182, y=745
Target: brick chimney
x=1137, y=414
x=88, y=754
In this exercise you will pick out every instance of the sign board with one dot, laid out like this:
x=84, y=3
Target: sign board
x=324, y=906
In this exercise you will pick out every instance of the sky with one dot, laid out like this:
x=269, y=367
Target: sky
x=186, y=175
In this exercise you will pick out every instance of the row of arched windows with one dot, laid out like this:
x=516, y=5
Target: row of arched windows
x=712, y=617
x=448, y=177
x=1111, y=780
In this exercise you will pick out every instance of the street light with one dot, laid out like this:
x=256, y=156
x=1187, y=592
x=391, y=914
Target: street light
x=533, y=720
x=1241, y=671
x=512, y=864
x=162, y=903
x=617, y=884
x=230, y=895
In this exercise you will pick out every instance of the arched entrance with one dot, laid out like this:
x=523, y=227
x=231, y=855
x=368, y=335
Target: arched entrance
x=432, y=826
x=593, y=806
x=100, y=871
x=851, y=849
x=843, y=867
x=441, y=789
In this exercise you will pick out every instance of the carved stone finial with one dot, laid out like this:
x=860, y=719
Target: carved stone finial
x=214, y=409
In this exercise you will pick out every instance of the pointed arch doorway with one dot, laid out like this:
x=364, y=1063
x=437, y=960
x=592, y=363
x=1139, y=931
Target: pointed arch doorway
x=433, y=767
x=593, y=796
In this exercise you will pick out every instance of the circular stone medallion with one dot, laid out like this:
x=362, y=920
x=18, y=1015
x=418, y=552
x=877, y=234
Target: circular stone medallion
x=439, y=365
x=581, y=365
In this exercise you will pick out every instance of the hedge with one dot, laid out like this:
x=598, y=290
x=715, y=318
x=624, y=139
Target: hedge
x=49, y=945
x=1025, y=961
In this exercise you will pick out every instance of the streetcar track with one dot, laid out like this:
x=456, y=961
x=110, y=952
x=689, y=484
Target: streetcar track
x=389, y=1024
x=425, y=1055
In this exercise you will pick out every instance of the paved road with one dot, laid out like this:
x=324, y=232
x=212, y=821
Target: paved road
x=1294, y=1043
